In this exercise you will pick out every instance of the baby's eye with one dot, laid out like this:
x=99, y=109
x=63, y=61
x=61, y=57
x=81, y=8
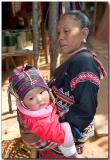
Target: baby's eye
x=41, y=92
x=31, y=98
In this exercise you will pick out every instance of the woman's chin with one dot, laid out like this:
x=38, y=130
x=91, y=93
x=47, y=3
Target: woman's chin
x=64, y=52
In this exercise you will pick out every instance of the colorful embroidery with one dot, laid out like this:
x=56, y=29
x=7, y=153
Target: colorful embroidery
x=84, y=76
x=65, y=98
x=61, y=106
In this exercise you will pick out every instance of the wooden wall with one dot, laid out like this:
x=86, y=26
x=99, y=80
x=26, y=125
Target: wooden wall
x=102, y=29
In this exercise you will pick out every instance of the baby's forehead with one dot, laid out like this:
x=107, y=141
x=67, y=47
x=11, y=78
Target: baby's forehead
x=37, y=89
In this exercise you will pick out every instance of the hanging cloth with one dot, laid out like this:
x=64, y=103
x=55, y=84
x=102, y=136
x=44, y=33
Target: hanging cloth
x=101, y=68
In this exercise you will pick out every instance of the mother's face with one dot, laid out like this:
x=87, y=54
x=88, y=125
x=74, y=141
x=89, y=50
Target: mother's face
x=70, y=35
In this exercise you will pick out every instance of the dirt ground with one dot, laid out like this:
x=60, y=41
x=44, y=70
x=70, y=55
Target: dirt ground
x=12, y=145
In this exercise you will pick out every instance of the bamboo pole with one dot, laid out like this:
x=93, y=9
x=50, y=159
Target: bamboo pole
x=53, y=18
x=94, y=17
x=36, y=36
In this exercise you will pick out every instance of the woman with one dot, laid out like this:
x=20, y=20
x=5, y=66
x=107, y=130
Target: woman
x=76, y=82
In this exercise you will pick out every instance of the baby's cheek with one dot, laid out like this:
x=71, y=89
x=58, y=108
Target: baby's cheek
x=46, y=99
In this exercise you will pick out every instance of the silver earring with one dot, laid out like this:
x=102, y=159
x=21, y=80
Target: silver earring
x=84, y=41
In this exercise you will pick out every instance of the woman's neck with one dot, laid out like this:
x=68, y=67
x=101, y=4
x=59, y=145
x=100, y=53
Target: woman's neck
x=75, y=51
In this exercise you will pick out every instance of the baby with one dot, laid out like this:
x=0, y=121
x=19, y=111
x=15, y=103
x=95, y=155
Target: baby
x=37, y=114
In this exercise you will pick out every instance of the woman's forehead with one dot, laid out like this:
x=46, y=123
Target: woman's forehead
x=68, y=20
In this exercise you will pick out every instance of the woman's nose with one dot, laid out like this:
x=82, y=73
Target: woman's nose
x=60, y=36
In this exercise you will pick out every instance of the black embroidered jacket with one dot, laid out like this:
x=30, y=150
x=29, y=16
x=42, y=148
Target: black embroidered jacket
x=75, y=85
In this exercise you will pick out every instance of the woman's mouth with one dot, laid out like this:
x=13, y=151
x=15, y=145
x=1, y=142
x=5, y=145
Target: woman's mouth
x=63, y=46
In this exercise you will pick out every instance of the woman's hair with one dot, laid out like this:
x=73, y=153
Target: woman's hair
x=82, y=17
x=84, y=22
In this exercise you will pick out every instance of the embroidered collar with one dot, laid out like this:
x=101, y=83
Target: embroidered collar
x=78, y=50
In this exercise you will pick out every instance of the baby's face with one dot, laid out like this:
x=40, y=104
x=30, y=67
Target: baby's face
x=36, y=98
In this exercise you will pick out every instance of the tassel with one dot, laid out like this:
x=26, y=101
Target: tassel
x=9, y=101
x=52, y=96
x=102, y=70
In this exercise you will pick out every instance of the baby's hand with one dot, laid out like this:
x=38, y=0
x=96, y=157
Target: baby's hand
x=79, y=147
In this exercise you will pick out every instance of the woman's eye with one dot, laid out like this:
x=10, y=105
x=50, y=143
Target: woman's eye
x=66, y=31
x=58, y=33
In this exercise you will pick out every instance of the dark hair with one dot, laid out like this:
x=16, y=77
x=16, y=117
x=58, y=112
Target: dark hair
x=84, y=22
x=82, y=17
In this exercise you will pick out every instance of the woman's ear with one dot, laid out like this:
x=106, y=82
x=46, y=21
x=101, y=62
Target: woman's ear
x=85, y=33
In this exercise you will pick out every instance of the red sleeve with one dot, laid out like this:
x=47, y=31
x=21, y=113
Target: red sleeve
x=47, y=128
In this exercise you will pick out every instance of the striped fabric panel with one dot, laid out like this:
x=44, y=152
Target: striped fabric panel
x=62, y=97
x=42, y=145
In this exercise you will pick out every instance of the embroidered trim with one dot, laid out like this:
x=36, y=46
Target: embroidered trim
x=62, y=97
x=56, y=151
x=41, y=145
x=85, y=76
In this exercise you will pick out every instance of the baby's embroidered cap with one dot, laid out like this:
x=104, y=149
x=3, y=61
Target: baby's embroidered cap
x=22, y=80
x=26, y=79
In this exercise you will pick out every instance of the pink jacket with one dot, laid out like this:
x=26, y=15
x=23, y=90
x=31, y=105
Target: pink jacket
x=43, y=123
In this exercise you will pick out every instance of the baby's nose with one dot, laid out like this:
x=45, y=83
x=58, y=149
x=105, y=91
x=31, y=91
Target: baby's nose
x=39, y=98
